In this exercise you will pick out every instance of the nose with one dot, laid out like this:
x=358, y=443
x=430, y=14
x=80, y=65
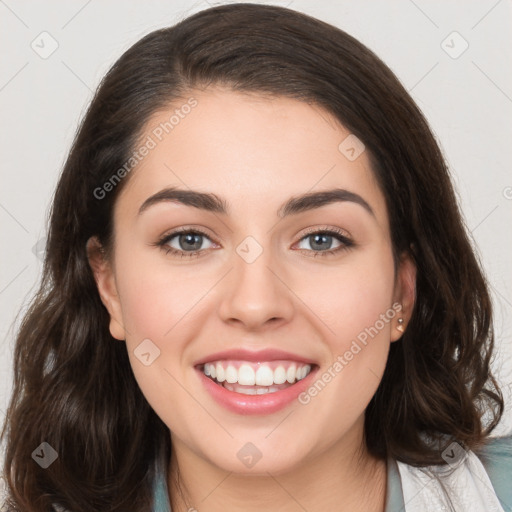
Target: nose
x=255, y=295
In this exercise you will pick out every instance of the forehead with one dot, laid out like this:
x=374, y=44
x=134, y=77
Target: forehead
x=255, y=151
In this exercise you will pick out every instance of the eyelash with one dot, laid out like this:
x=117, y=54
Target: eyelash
x=164, y=240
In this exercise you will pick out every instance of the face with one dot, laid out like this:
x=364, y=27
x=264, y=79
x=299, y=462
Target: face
x=314, y=280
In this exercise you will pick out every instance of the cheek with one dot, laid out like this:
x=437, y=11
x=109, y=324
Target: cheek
x=354, y=303
x=364, y=309
x=158, y=298
x=352, y=297
x=159, y=303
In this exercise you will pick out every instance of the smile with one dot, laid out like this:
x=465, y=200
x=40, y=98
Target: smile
x=223, y=382
x=250, y=378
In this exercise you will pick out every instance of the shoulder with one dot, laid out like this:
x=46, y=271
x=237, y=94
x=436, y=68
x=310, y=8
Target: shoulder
x=496, y=457
x=477, y=480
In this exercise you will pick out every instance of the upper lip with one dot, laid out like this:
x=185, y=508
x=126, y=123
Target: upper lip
x=268, y=354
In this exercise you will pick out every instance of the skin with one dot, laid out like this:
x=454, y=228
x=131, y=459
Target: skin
x=256, y=152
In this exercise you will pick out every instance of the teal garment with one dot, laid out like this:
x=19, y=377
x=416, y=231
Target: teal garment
x=496, y=457
x=497, y=460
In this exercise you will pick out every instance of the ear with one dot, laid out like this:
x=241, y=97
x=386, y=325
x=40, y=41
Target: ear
x=404, y=294
x=105, y=281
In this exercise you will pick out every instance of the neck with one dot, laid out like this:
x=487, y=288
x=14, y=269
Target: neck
x=336, y=479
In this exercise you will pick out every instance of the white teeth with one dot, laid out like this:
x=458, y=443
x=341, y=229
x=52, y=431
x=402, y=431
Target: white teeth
x=246, y=375
x=279, y=375
x=290, y=374
x=250, y=391
x=220, y=373
x=231, y=374
x=264, y=375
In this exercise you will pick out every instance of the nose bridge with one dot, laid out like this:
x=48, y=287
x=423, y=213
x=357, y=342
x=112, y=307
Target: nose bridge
x=255, y=293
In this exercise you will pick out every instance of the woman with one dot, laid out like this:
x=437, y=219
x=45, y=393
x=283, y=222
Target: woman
x=258, y=291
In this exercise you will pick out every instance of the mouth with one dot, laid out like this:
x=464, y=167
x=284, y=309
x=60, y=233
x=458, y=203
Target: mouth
x=247, y=382
x=256, y=378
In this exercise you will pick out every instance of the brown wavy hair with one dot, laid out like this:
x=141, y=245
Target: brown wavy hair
x=73, y=384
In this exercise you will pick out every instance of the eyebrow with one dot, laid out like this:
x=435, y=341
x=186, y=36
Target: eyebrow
x=212, y=203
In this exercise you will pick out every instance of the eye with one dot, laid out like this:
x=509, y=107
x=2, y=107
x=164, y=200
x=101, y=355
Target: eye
x=183, y=242
x=323, y=240
x=188, y=243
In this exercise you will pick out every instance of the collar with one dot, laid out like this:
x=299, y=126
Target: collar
x=394, y=491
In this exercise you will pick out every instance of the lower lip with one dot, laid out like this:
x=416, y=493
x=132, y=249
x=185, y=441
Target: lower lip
x=256, y=404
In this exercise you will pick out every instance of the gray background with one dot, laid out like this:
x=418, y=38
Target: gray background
x=467, y=98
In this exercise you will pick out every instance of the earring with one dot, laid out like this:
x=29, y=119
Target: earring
x=400, y=325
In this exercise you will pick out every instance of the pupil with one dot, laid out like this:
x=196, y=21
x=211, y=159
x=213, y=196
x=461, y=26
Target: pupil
x=189, y=239
x=321, y=237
